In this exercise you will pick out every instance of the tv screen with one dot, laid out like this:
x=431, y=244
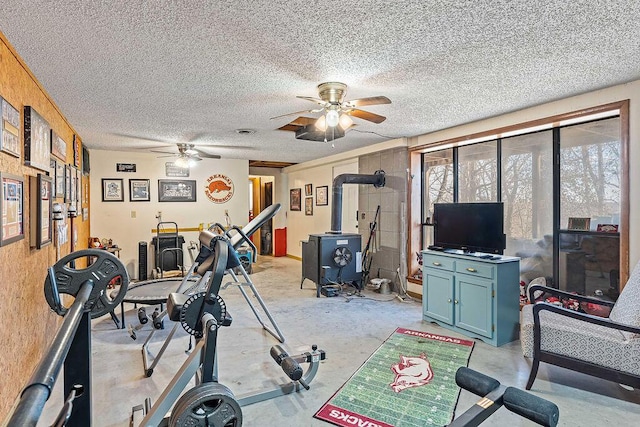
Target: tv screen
x=470, y=227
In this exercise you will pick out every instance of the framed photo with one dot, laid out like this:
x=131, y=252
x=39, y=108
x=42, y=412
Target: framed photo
x=86, y=165
x=37, y=135
x=78, y=198
x=183, y=190
x=12, y=208
x=579, y=224
x=322, y=196
x=112, y=190
x=295, y=197
x=308, y=189
x=77, y=151
x=73, y=188
x=67, y=183
x=308, y=205
x=59, y=180
x=607, y=228
x=171, y=170
x=9, y=129
x=139, y=190
x=58, y=146
x=40, y=200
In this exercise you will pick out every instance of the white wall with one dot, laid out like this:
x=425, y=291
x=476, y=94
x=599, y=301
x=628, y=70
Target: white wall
x=622, y=92
x=300, y=225
x=115, y=220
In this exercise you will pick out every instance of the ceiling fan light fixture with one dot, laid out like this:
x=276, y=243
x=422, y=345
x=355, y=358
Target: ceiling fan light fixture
x=182, y=162
x=321, y=123
x=333, y=118
x=345, y=121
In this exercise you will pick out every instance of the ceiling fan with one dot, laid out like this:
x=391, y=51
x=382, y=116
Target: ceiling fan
x=336, y=111
x=187, y=155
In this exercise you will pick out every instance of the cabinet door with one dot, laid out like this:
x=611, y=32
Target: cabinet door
x=474, y=304
x=437, y=295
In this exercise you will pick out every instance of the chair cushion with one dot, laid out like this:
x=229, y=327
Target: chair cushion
x=627, y=307
x=580, y=340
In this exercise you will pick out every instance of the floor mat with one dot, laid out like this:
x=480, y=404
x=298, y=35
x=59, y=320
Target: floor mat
x=408, y=381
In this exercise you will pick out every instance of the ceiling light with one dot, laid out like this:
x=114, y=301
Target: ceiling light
x=182, y=162
x=333, y=118
x=191, y=151
x=191, y=162
x=321, y=124
x=345, y=121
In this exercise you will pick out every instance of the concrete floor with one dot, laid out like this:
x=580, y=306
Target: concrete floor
x=349, y=330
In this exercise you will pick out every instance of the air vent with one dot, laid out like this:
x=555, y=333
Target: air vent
x=245, y=131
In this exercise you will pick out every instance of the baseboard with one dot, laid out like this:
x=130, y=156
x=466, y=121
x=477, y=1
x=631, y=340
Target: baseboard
x=294, y=257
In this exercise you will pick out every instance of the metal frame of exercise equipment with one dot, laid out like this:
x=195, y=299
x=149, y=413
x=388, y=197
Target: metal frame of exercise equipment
x=237, y=237
x=202, y=363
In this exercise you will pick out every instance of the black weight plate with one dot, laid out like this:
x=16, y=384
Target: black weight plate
x=105, y=268
x=208, y=404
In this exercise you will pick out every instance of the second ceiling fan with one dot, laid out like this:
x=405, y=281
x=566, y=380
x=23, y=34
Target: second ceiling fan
x=187, y=155
x=336, y=111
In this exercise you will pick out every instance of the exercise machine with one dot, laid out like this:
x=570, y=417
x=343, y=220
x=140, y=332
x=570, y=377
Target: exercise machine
x=71, y=346
x=197, y=279
x=210, y=403
x=495, y=395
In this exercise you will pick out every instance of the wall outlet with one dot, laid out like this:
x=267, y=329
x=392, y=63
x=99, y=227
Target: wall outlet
x=133, y=214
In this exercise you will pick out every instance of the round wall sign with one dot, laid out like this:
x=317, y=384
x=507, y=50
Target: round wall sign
x=219, y=188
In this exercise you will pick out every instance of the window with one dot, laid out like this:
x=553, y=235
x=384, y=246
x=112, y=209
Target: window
x=540, y=195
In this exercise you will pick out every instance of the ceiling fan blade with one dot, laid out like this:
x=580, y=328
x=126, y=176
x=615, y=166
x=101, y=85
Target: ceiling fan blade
x=207, y=155
x=297, y=112
x=374, y=100
x=312, y=99
x=170, y=155
x=366, y=115
x=164, y=152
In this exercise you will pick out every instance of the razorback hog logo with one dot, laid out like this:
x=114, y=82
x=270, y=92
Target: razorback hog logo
x=218, y=186
x=412, y=371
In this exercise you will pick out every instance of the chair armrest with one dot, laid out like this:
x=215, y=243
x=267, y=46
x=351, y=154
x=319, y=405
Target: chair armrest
x=559, y=293
x=596, y=320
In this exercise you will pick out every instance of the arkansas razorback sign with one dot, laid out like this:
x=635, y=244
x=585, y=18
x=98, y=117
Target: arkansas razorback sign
x=219, y=188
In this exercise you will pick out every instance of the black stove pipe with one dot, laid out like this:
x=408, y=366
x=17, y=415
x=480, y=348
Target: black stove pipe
x=377, y=179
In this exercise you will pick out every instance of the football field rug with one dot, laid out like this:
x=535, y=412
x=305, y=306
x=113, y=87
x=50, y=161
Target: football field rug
x=408, y=381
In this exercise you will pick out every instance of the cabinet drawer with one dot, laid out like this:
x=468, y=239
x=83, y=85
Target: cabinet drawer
x=476, y=268
x=439, y=262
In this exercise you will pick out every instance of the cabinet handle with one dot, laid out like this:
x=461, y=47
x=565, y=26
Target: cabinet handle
x=455, y=301
x=437, y=264
x=473, y=270
x=449, y=300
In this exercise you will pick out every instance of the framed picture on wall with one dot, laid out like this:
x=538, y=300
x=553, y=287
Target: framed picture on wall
x=67, y=183
x=179, y=190
x=58, y=146
x=139, y=190
x=295, y=195
x=308, y=205
x=9, y=129
x=40, y=199
x=59, y=180
x=77, y=151
x=37, y=135
x=322, y=196
x=12, y=208
x=112, y=190
x=308, y=189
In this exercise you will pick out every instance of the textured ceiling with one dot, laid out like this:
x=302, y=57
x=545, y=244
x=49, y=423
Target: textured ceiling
x=133, y=75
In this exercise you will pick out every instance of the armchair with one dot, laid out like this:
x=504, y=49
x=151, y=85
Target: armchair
x=608, y=348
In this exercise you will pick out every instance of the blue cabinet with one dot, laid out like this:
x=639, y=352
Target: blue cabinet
x=476, y=297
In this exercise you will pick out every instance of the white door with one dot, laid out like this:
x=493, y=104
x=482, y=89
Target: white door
x=349, y=198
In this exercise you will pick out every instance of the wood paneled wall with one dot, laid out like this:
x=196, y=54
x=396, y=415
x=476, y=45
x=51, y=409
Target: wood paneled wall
x=28, y=324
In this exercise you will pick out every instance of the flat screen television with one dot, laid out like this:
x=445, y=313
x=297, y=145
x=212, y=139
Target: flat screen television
x=470, y=227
